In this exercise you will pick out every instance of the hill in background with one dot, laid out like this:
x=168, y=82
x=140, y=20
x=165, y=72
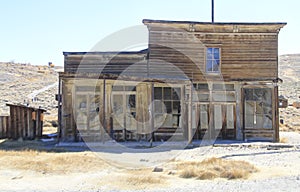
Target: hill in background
x=20, y=83
x=289, y=72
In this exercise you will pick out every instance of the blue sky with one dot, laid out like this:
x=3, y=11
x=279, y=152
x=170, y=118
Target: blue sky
x=36, y=31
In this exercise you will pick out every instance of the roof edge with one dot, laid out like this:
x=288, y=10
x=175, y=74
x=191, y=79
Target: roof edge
x=144, y=51
x=149, y=21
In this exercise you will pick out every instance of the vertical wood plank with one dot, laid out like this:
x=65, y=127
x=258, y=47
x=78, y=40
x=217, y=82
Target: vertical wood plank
x=276, y=114
x=14, y=123
x=22, y=122
x=1, y=126
x=190, y=118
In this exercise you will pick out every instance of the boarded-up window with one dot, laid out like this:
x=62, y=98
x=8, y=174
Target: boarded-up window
x=204, y=116
x=218, y=118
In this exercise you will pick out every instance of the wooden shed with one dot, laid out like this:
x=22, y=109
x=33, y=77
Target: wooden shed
x=24, y=122
x=196, y=80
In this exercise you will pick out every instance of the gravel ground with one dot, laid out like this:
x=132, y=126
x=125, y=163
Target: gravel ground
x=278, y=164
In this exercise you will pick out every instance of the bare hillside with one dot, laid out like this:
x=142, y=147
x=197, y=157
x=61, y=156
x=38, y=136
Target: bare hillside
x=21, y=83
x=289, y=72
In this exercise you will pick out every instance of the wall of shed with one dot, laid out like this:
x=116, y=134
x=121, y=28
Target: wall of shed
x=21, y=123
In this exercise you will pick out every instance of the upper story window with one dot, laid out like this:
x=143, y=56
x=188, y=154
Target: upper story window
x=213, y=57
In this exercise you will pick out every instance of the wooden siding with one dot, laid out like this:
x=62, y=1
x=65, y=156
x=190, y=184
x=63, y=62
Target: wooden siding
x=21, y=123
x=4, y=123
x=106, y=63
x=243, y=56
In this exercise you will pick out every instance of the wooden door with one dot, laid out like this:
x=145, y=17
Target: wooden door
x=258, y=113
x=216, y=121
x=223, y=121
x=124, y=113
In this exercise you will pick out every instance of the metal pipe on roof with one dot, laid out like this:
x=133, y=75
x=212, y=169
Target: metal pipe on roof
x=212, y=11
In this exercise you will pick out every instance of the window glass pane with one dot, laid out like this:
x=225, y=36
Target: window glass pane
x=259, y=107
x=175, y=93
x=249, y=108
x=249, y=94
x=195, y=86
x=267, y=97
x=249, y=114
x=167, y=93
x=267, y=122
x=158, y=93
x=229, y=87
x=175, y=120
x=209, y=65
x=219, y=96
x=88, y=88
x=158, y=107
x=117, y=104
x=168, y=105
x=158, y=120
x=249, y=121
x=130, y=99
x=168, y=121
x=202, y=86
x=267, y=109
x=176, y=107
x=118, y=88
x=258, y=94
x=223, y=96
x=209, y=53
x=216, y=64
x=259, y=121
x=230, y=96
x=203, y=97
x=130, y=88
x=218, y=86
x=216, y=53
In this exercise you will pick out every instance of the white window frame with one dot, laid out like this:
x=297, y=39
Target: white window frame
x=212, y=59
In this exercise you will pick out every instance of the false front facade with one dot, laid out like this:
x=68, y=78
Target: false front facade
x=195, y=81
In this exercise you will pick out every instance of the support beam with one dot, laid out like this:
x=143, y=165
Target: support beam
x=190, y=107
x=104, y=126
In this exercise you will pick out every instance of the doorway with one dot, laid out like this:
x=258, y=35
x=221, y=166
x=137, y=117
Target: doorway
x=124, y=112
x=258, y=113
x=215, y=121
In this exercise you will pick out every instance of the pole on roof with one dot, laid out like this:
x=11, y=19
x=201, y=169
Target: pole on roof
x=212, y=11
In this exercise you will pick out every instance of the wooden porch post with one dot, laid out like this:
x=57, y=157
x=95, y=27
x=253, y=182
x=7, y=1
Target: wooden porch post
x=276, y=110
x=103, y=112
x=190, y=107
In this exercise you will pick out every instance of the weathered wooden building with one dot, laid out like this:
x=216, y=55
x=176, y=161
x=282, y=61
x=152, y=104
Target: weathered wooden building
x=24, y=122
x=196, y=80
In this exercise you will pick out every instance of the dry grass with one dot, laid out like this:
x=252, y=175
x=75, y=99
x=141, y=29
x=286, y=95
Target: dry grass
x=144, y=180
x=216, y=168
x=47, y=163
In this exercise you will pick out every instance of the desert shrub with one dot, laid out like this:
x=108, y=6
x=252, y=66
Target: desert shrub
x=216, y=168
